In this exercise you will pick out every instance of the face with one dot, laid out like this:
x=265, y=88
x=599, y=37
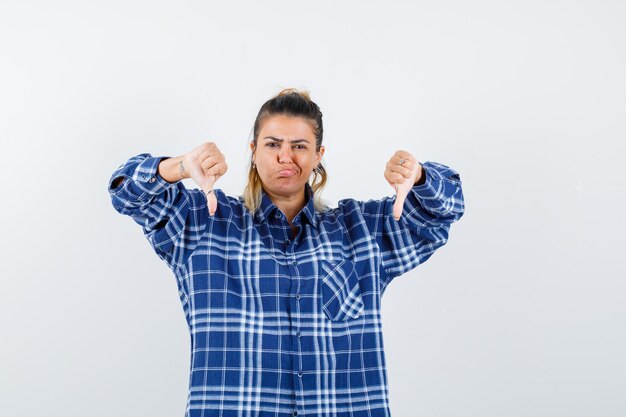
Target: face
x=285, y=155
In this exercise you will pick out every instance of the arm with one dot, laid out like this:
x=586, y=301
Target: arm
x=172, y=217
x=430, y=208
x=168, y=169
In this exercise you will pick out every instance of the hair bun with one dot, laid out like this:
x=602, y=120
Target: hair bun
x=289, y=91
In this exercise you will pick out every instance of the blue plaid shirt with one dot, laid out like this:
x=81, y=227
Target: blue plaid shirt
x=279, y=326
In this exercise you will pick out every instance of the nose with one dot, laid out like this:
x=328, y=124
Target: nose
x=285, y=155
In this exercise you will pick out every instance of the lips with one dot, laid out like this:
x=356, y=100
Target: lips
x=287, y=172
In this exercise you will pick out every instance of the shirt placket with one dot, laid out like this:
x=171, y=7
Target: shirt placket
x=297, y=304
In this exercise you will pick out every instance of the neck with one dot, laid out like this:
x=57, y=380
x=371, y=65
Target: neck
x=289, y=205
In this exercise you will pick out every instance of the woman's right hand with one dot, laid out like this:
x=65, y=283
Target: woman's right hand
x=205, y=164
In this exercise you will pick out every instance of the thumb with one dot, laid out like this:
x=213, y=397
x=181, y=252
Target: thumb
x=207, y=184
x=402, y=190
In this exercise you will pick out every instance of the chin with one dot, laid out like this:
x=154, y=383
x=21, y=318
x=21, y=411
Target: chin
x=288, y=189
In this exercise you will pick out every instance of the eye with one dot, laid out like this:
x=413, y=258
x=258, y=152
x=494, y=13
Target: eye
x=271, y=144
x=300, y=146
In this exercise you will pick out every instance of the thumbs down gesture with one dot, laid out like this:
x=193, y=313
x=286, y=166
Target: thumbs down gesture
x=402, y=172
x=206, y=164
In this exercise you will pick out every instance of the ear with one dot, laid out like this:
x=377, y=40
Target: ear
x=320, y=153
x=252, y=149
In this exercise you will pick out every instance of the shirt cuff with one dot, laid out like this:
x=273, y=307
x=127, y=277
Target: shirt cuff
x=142, y=179
x=434, y=197
x=429, y=187
x=436, y=175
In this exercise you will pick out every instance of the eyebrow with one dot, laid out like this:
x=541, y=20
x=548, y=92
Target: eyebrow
x=275, y=139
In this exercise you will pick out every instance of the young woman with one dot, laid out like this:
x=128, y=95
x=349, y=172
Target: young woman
x=282, y=295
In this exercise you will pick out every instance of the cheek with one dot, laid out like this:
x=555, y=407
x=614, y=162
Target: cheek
x=261, y=171
x=264, y=171
x=312, y=163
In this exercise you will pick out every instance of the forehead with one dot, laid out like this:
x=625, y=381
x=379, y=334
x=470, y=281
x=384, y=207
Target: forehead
x=287, y=127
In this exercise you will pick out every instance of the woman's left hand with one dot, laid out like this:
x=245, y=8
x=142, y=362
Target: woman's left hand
x=402, y=172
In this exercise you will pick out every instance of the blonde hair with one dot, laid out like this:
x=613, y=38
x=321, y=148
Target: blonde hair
x=291, y=102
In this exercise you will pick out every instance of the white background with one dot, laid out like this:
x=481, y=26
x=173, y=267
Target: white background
x=522, y=313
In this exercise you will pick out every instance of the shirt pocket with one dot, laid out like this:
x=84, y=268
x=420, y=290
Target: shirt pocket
x=341, y=293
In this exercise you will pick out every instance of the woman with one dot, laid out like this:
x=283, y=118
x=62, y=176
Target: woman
x=282, y=295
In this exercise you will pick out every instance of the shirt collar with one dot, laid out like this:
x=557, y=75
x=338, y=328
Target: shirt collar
x=267, y=208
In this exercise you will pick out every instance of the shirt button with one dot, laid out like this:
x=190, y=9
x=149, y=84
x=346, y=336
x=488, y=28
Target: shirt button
x=153, y=179
x=298, y=334
x=295, y=413
x=294, y=263
x=297, y=296
x=300, y=374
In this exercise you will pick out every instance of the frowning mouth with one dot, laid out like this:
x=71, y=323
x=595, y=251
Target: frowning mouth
x=287, y=172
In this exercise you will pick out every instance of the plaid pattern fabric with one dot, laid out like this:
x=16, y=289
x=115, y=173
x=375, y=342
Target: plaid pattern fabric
x=279, y=326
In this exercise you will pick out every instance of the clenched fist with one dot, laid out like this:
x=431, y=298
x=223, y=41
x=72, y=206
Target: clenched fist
x=402, y=172
x=205, y=164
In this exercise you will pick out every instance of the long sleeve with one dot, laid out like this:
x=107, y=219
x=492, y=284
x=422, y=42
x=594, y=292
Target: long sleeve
x=172, y=217
x=428, y=212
